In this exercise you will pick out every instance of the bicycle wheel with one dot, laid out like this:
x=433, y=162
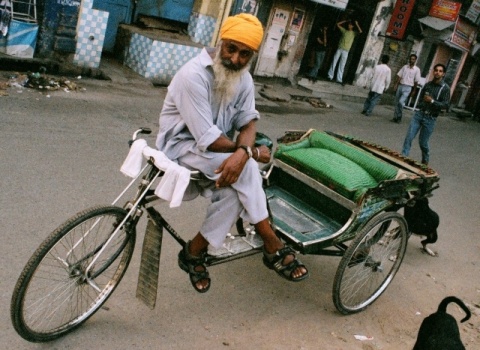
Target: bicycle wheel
x=370, y=263
x=56, y=292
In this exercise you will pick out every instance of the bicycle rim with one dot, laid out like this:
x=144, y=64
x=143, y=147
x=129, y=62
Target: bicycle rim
x=55, y=293
x=370, y=263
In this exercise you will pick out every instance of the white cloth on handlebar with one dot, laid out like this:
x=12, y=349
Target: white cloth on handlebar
x=174, y=182
x=133, y=163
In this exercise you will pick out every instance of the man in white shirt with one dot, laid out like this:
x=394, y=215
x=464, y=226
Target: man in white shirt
x=382, y=75
x=405, y=85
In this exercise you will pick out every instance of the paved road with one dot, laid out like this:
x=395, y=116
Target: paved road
x=61, y=154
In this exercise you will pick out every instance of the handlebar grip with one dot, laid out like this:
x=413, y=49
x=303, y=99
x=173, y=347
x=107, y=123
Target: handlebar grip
x=146, y=131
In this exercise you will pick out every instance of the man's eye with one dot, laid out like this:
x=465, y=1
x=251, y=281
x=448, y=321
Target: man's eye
x=245, y=54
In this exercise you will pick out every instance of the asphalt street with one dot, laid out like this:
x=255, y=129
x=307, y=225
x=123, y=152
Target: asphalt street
x=61, y=153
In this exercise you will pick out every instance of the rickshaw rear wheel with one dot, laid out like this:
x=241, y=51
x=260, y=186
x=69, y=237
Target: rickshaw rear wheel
x=370, y=262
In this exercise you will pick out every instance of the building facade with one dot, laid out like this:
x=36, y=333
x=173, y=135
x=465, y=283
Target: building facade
x=438, y=31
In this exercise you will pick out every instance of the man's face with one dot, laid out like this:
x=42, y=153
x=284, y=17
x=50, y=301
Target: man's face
x=438, y=73
x=412, y=60
x=235, y=55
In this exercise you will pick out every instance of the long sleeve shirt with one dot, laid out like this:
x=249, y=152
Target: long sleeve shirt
x=441, y=95
x=192, y=118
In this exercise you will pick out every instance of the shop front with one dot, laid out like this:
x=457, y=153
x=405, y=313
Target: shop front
x=285, y=38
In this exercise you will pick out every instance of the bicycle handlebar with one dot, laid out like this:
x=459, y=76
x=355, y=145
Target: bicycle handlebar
x=142, y=130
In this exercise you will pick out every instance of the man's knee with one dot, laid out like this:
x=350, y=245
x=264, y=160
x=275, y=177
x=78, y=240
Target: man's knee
x=224, y=194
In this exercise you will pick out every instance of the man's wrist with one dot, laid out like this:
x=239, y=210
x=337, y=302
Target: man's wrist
x=247, y=149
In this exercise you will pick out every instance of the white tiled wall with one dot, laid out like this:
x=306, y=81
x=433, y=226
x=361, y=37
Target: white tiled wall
x=90, y=37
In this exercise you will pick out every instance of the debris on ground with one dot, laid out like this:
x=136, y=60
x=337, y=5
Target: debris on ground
x=268, y=92
x=3, y=88
x=314, y=101
x=362, y=337
x=39, y=81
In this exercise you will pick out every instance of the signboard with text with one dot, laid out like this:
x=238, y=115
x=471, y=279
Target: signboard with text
x=400, y=17
x=445, y=9
x=463, y=35
x=473, y=13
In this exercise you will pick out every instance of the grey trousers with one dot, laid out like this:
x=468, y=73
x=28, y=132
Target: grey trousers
x=245, y=198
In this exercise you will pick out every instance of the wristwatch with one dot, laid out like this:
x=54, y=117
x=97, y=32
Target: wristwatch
x=432, y=100
x=247, y=149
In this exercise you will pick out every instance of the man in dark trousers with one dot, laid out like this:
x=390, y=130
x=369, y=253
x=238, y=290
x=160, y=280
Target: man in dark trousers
x=434, y=97
x=319, y=48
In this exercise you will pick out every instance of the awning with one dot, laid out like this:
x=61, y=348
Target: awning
x=436, y=23
x=340, y=4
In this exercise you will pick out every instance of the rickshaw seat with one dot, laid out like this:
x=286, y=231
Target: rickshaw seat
x=345, y=168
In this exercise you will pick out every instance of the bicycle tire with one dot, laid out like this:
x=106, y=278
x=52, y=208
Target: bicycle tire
x=370, y=263
x=54, y=295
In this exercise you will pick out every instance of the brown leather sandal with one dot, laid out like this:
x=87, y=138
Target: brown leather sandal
x=190, y=263
x=276, y=260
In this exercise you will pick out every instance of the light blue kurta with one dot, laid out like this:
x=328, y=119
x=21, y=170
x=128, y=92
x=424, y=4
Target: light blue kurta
x=191, y=120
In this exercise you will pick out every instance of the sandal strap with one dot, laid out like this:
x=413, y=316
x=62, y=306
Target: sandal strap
x=189, y=263
x=199, y=260
x=276, y=260
x=280, y=254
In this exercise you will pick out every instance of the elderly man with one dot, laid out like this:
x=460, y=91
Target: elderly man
x=210, y=99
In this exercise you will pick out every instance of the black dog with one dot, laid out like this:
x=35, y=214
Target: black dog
x=440, y=330
x=422, y=220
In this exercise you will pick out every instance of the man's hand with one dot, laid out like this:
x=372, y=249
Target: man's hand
x=427, y=98
x=231, y=168
x=263, y=155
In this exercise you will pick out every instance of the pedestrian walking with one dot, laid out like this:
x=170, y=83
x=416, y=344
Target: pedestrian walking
x=405, y=85
x=382, y=76
x=319, y=48
x=344, y=45
x=434, y=97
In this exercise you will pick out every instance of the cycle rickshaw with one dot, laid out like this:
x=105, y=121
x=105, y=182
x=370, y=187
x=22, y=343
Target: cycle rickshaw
x=327, y=194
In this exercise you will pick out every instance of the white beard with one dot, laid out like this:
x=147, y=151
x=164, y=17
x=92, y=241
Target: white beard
x=226, y=80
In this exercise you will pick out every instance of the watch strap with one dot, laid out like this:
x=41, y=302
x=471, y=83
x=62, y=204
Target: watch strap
x=247, y=149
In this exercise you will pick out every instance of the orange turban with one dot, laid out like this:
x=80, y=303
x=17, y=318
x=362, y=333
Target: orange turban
x=244, y=28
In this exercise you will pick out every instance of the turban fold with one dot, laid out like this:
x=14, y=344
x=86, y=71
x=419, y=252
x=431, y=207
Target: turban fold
x=244, y=28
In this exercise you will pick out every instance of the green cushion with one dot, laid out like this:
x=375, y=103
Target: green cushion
x=332, y=169
x=343, y=167
x=377, y=168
